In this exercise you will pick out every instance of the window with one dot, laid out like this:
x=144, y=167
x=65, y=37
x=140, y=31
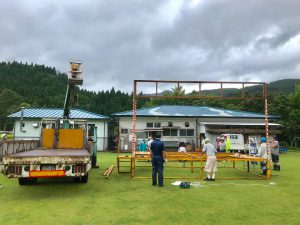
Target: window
x=91, y=129
x=149, y=125
x=174, y=132
x=232, y=137
x=156, y=124
x=170, y=124
x=141, y=135
x=170, y=132
x=187, y=132
x=166, y=132
x=124, y=131
x=23, y=124
x=182, y=132
x=186, y=124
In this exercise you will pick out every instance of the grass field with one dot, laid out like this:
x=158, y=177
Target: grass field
x=122, y=200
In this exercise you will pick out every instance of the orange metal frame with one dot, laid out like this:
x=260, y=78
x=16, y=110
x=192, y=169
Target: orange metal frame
x=200, y=96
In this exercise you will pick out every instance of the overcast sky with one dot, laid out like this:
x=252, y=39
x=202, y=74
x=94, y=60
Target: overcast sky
x=119, y=41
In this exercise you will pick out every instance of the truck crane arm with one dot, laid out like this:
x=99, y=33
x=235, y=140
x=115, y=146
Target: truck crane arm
x=74, y=79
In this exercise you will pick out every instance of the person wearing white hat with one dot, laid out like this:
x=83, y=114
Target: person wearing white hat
x=181, y=147
x=211, y=160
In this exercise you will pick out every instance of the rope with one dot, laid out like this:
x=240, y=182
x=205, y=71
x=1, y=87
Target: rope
x=133, y=145
x=267, y=127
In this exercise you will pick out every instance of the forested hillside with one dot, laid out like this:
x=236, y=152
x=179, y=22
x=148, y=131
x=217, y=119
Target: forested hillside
x=31, y=85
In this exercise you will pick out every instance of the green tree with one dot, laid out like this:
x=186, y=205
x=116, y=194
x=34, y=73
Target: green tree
x=293, y=122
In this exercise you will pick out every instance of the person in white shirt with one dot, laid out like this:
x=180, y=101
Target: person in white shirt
x=182, y=149
x=222, y=145
x=275, y=153
x=211, y=160
x=150, y=139
x=262, y=152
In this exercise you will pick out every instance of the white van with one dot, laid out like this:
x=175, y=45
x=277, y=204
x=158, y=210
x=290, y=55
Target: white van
x=237, y=141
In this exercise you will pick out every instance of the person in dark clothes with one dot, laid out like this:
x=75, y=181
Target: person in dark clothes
x=157, y=155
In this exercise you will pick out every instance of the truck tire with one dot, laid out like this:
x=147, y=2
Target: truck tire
x=85, y=178
x=76, y=179
x=32, y=181
x=26, y=181
x=23, y=181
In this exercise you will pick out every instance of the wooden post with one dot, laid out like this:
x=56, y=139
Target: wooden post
x=132, y=166
x=118, y=166
x=201, y=171
x=192, y=166
x=119, y=141
x=268, y=170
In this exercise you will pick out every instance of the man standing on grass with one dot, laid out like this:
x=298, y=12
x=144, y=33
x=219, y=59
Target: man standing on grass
x=211, y=160
x=157, y=154
x=262, y=152
x=275, y=153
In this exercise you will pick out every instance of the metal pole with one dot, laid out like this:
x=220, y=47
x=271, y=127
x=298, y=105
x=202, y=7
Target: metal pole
x=222, y=93
x=196, y=135
x=243, y=90
x=21, y=119
x=199, y=88
x=104, y=136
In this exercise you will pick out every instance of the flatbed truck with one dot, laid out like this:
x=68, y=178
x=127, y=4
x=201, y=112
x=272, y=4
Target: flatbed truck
x=63, y=149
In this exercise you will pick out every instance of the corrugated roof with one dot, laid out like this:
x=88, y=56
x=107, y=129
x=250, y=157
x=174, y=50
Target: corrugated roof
x=56, y=113
x=239, y=123
x=191, y=111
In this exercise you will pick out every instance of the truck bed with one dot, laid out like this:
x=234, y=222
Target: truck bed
x=45, y=156
x=47, y=163
x=52, y=153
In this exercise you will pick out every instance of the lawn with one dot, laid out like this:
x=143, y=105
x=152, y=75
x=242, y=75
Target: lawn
x=122, y=200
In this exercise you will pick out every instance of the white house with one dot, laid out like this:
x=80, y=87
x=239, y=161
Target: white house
x=191, y=123
x=28, y=123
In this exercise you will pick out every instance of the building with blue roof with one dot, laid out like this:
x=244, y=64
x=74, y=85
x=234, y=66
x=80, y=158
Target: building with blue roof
x=28, y=123
x=191, y=123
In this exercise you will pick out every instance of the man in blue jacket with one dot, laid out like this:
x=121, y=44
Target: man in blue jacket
x=157, y=155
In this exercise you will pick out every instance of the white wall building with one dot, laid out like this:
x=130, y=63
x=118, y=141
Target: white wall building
x=191, y=123
x=29, y=126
